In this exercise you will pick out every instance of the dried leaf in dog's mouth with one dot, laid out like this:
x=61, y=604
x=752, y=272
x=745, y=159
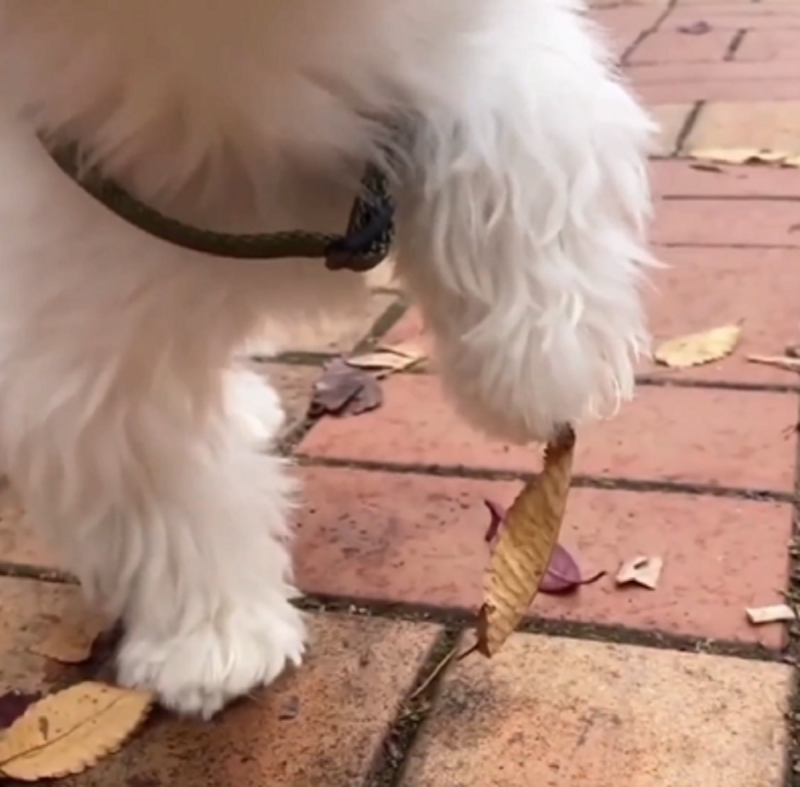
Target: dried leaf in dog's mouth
x=525, y=545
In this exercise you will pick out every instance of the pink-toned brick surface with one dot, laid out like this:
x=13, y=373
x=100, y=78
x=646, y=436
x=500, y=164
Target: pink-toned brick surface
x=729, y=438
x=420, y=539
x=727, y=223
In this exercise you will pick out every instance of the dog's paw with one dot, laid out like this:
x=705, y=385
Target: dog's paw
x=200, y=672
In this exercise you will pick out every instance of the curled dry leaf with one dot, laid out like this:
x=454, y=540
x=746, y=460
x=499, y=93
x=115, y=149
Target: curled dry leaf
x=69, y=731
x=563, y=573
x=345, y=390
x=389, y=358
x=640, y=570
x=523, y=549
x=775, y=613
x=695, y=349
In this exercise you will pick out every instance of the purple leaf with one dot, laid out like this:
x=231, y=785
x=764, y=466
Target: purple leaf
x=563, y=574
x=13, y=704
x=496, y=516
x=345, y=390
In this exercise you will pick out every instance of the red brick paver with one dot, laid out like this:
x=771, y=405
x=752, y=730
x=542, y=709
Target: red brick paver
x=603, y=687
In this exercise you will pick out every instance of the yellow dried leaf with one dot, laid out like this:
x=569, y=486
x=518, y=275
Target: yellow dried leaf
x=745, y=156
x=522, y=553
x=696, y=349
x=69, y=731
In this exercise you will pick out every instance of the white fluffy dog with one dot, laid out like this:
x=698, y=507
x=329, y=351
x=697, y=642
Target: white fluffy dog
x=522, y=201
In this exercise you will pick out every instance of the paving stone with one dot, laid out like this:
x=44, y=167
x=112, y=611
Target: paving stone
x=703, y=288
x=554, y=712
x=676, y=46
x=420, y=540
x=710, y=222
x=687, y=178
x=671, y=118
x=687, y=435
x=772, y=125
x=322, y=724
x=760, y=45
x=765, y=14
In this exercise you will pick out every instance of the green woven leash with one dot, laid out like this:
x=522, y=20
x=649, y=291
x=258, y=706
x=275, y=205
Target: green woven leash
x=365, y=244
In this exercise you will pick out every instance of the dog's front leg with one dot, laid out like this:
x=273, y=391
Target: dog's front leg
x=521, y=235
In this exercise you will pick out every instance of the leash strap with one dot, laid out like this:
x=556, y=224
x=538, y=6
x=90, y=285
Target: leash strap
x=365, y=244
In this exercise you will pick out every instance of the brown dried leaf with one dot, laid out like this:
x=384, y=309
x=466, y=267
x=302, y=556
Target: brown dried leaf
x=522, y=553
x=70, y=731
x=776, y=613
x=69, y=642
x=695, y=349
x=641, y=570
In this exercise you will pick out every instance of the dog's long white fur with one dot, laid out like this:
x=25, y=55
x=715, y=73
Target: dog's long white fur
x=523, y=201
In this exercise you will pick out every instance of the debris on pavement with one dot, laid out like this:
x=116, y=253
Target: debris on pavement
x=786, y=362
x=640, y=570
x=389, y=358
x=525, y=545
x=345, y=390
x=695, y=349
x=68, y=643
x=563, y=574
x=697, y=29
x=13, y=704
x=775, y=613
x=70, y=731
x=746, y=156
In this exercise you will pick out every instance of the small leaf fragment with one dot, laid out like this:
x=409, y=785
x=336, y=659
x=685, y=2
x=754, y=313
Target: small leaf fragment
x=641, y=570
x=345, y=390
x=524, y=547
x=786, y=362
x=695, y=349
x=70, y=731
x=775, y=613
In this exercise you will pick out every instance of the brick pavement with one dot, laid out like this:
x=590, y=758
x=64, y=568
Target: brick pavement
x=635, y=688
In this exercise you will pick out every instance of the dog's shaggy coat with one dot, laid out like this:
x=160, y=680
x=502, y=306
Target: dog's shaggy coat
x=124, y=421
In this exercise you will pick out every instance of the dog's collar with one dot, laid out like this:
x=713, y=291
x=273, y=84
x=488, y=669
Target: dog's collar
x=365, y=244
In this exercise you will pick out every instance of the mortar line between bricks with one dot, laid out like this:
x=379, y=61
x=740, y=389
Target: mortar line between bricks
x=688, y=125
x=646, y=33
x=728, y=198
x=391, y=759
x=464, y=619
x=792, y=774
x=578, y=481
x=734, y=45
x=652, y=379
